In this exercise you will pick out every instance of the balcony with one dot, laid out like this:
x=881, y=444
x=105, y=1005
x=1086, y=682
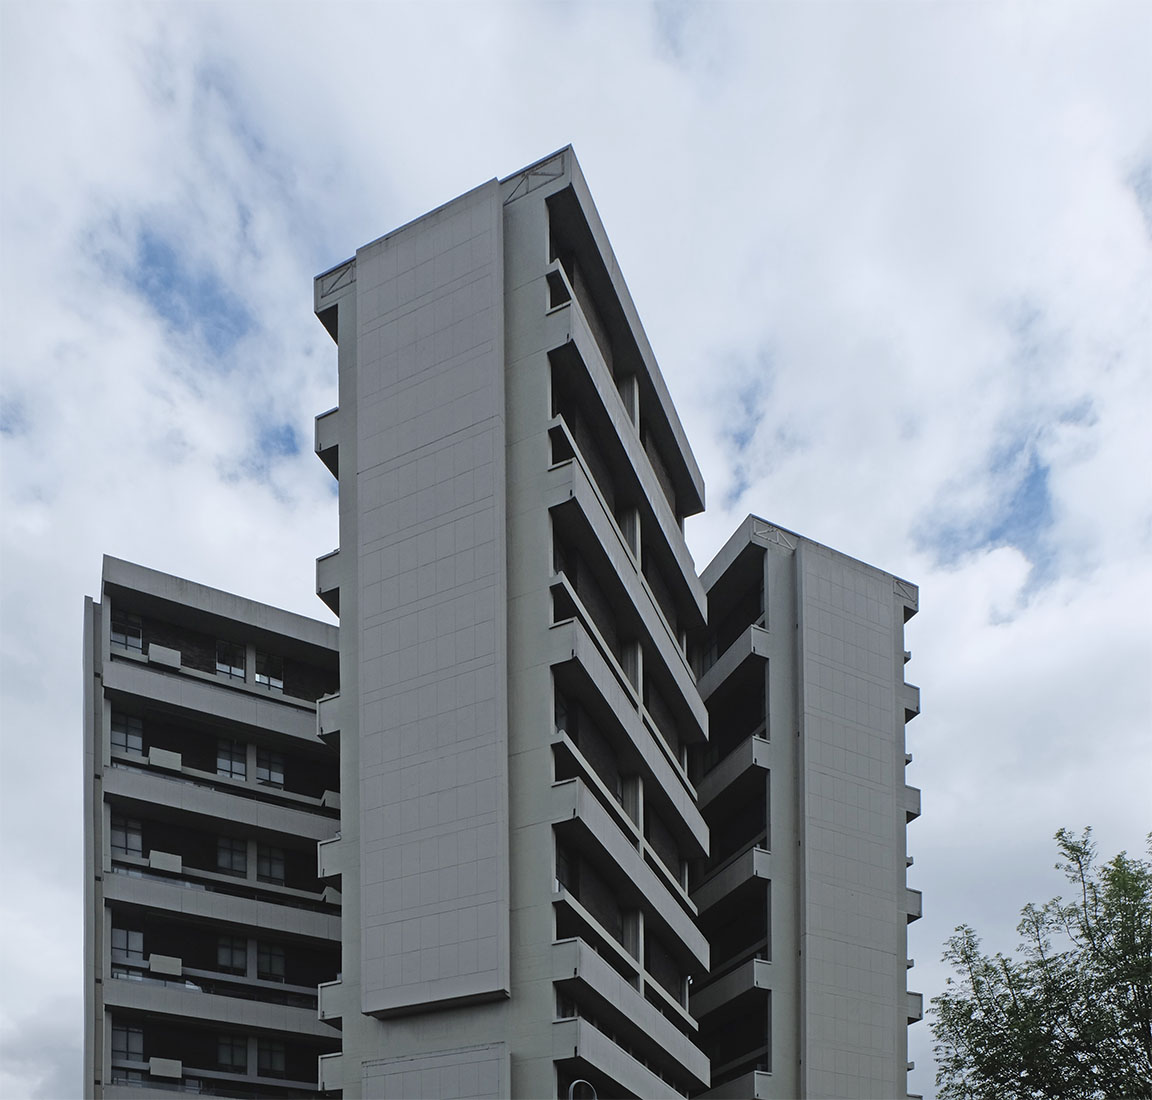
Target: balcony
x=913, y=904
x=911, y=803
x=915, y=1007
x=186, y=998
x=576, y=810
x=328, y=580
x=580, y=664
x=752, y=976
x=910, y=697
x=577, y=357
x=756, y=863
x=745, y=767
x=185, y=898
x=216, y=805
x=756, y=1085
x=620, y=1004
x=753, y=642
x=327, y=444
x=197, y=693
x=580, y=1040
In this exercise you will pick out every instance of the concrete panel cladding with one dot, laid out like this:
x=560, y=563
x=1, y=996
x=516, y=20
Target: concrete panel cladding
x=432, y=593
x=469, y=1073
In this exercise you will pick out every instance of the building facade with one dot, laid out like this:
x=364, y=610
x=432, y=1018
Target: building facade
x=207, y=790
x=803, y=896
x=601, y=818
x=530, y=668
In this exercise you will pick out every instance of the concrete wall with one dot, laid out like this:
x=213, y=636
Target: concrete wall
x=431, y=590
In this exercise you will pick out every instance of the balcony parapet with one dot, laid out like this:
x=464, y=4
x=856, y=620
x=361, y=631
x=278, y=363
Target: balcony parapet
x=573, y=805
x=572, y=335
x=756, y=1085
x=751, y=976
x=216, y=805
x=328, y=580
x=756, y=863
x=327, y=440
x=570, y=482
x=915, y=1006
x=752, y=643
x=579, y=1039
x=198, y=693
x=911, y=803
x=910, y=698
x=571, y=641
x=913, y=904
x=174, y=896
x=619, y=1002
x=753, y=753
x=211, y=1007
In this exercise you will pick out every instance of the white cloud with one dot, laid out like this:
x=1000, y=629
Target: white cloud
x=887, y=254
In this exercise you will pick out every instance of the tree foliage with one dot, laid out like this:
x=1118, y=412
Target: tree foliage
x=1071, y=1016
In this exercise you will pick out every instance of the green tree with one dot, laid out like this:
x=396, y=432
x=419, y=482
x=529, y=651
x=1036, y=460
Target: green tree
x=1071, y=1016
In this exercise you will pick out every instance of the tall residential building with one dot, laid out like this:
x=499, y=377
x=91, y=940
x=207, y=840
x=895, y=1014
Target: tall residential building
x=207, y=790
x=803, y=895
x=530, y=668
x=517, y=697
x=601, y=819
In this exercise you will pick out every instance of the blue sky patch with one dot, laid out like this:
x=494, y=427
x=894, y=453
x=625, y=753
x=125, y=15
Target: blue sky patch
x=278, y=441
x=1020, y=515
x=190, y=300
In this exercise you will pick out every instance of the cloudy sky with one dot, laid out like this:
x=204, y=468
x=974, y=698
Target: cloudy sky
x=895, y=260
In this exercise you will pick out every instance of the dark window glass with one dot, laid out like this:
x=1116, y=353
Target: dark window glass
x=270, y=767
x=231, y=758
x=127, y=733
x=127, y=1043
x=270, y=670
x=232, y=1053
x=127, y=942
x=270, y=962
x=230, y=659
x=232, y=954
x=270, y=864
x=232, y=856
x=270, y=1058
x=126, y=631
x=126, y=836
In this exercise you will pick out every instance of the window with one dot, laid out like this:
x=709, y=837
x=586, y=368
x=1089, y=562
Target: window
x=270, y=962
x=270, y=767
x=126, y=836
x=232, y=954
x=270, y=670
x=270, y=864
x=127, y=733
x=127, y=1043
x=232, y=856
x=230, y=659
x=129, y=943
x=231, y=758
x=126, y=631
x=270, y=1058
x=232, y=1053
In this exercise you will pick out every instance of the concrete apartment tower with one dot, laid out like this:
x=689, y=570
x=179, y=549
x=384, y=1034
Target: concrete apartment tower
x=803, y=896
x=530, y=667
x=517, y=698
x=207, y=790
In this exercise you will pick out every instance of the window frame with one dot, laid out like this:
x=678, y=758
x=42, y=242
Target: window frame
x=232, y=856
x=226, y=656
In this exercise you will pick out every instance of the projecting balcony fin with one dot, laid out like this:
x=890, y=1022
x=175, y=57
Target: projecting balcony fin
x=328, y=440
x=328, y=580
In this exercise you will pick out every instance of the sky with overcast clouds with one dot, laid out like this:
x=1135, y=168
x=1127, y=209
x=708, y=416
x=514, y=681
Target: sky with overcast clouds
x=895, y=260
